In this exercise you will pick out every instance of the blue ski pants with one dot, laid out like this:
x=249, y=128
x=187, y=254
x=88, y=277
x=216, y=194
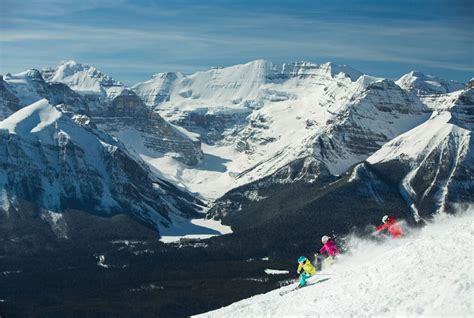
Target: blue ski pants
x=303, y=278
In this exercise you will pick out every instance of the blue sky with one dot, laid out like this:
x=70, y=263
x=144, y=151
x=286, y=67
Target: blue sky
x=131, y=40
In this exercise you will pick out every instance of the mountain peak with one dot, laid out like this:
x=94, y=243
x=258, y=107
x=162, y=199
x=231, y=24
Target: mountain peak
x=81, y=77
x=30, y=74
x=31, y=119
x=345, y=69
x=259, y=63
x=69, y=62
x=417, y=74
x=427, y=84
x=366, y=80
x=71, y=67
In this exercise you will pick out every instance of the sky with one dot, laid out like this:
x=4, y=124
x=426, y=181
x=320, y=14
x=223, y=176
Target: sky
x=134, y=39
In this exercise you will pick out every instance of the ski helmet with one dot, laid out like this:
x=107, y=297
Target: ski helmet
x=385, y=218
x=325, y=238
x=301, y=259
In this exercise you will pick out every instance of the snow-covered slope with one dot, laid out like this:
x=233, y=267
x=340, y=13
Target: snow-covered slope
x=61, y=163
x=429, y=273
x=239, y=86
x=258, y=117
x=434, y=162
x=427, y=84
x=440, y=102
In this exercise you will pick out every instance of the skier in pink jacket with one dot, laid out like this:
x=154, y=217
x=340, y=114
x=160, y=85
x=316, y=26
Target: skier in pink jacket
x=329, y=248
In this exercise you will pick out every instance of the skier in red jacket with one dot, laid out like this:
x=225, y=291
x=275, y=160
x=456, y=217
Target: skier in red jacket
x=390, y=223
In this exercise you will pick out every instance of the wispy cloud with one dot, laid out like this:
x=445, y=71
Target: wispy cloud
x=156, y=34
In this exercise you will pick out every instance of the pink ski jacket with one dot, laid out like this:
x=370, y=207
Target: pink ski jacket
x=330, y=248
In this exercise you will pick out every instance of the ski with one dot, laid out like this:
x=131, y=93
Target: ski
x=282, y=293
x=289, y=290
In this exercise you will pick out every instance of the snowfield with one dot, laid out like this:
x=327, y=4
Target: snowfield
x=430, y=272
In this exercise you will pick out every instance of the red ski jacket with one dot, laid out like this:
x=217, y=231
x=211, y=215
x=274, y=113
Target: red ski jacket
x=392, y=227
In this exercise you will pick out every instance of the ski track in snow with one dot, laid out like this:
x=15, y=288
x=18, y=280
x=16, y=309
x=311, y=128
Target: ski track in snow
x=428, y=273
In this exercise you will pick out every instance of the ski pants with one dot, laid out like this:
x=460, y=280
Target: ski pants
x=303, y=278
x=328, y=262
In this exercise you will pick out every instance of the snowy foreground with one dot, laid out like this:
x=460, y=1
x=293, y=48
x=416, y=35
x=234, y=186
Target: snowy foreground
x=430, y=272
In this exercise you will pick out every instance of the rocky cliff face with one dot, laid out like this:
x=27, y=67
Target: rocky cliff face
x=58, y=163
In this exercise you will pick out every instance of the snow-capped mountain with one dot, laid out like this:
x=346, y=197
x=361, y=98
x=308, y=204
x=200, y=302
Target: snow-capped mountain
x=25, y=88
x=283, y=123
x=423, y=84
x=159, y=89
x=430, y=168
x=84, y=79
x=60, y=163
x=434, y=162
x=239, y=86
x=113, y=107
x=258, y=117
x=426, y=274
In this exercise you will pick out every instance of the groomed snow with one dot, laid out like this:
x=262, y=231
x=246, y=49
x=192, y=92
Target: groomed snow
x=428, y=273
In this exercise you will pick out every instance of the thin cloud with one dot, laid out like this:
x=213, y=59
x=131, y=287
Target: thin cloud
x=172, y=34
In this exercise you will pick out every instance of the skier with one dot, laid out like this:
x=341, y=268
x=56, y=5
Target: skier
x=390, y=223
x=305, y=270
x=329, y=248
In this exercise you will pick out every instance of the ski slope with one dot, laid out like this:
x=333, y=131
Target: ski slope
x=427, y=273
